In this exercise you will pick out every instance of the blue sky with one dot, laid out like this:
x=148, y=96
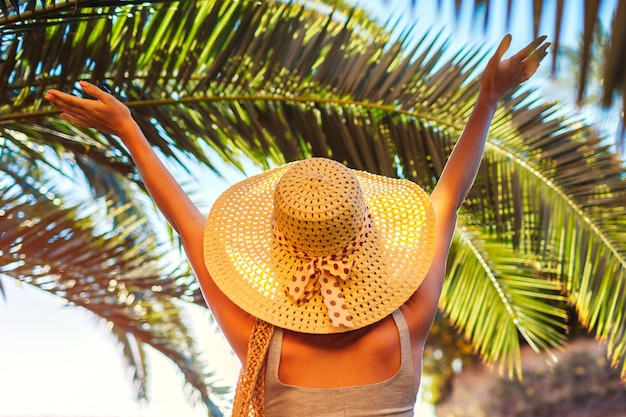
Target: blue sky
x=57, y=360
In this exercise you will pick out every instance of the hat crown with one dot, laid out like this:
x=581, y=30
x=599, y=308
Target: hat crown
x=319, y=206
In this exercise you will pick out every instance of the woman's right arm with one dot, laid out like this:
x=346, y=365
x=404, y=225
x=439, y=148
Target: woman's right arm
x=499, y=77
x=109, y=115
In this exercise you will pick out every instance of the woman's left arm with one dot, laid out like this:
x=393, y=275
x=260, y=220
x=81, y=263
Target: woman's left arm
x=499, y=77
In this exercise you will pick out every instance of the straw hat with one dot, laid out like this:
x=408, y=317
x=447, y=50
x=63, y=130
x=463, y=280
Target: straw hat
x=315, y=247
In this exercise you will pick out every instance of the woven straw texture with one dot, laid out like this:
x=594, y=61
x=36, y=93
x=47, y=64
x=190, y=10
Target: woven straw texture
x=249, y=266
x=250, y=395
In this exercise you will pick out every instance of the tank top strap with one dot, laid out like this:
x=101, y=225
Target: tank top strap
x=405, y=340
x=273, y=353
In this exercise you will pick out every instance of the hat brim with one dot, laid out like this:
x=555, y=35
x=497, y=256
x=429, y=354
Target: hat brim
x=252, y=270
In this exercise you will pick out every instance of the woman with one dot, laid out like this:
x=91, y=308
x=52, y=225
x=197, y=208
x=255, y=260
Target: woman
x=324, y=280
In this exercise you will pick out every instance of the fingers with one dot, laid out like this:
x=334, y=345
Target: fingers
x=531, y=63
x=534, y=44
x=503, y=47
x=530, y=48
x=541, y=52
x=65, y=102
x=94, y=91
x=56, y=96
x=73, y=105
x=75, y=120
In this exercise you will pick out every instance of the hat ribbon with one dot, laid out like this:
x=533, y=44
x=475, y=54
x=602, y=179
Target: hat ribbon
x=321, y=274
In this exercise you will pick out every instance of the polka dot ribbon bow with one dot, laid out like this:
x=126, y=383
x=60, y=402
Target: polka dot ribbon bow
x=321, y=275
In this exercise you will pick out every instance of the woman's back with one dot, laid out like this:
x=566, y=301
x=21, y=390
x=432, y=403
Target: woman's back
x=363, y=356
x=315, y=378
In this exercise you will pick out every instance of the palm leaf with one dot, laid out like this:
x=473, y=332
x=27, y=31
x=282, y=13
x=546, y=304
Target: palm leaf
x=513, y=299
x=111, y=273
x=575, y=217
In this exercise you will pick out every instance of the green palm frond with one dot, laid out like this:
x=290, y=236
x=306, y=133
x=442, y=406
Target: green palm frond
x=513, y=299
x=112, y=271
x=24, y=15
x=567, y=203
x=135, y=356
x=162, y=328
x=276, y=82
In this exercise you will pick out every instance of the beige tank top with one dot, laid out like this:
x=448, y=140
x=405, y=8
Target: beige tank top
x=395, y=396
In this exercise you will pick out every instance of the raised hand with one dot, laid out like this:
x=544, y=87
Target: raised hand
x=104, y=113
x=501, y=76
